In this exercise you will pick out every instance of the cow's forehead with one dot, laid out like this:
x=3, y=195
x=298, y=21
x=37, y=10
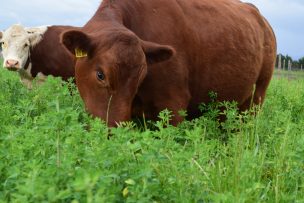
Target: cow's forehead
x=15, y=32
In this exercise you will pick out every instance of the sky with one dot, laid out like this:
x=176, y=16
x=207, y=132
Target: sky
x=285, y=16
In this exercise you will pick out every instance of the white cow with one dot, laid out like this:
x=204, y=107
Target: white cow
x=36, y=52
x=17, y=42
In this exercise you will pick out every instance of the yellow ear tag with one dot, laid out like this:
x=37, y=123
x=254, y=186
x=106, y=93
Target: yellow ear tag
x=79, y=53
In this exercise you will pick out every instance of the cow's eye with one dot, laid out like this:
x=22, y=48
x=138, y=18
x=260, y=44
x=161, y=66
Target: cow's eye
x=3, y=45
x=25, y=45
x=100, y=76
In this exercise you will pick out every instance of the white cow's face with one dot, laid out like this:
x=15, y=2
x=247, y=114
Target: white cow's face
x=16, y=43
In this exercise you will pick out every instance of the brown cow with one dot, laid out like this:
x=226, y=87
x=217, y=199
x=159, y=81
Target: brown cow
x=142, y=56
x=36, y=51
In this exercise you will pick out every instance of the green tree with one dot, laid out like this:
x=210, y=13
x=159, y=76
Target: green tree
x=286, y=58
x=297, y=64
x=301, y=61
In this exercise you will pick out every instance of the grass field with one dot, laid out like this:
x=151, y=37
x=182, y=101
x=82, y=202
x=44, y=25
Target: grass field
x=291, y=75
x=52, y=151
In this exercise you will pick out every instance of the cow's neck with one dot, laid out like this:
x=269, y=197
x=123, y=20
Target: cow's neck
x=26, y=72
x=108, y=15
x=28, y=61
x=35, y=64
x=115, y=14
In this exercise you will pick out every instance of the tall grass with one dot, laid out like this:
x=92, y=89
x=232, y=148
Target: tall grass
x=52, y=151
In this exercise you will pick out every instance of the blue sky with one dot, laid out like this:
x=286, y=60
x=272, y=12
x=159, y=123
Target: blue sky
x=285, y=16
x=287, y=20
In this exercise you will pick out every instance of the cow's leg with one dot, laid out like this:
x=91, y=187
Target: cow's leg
x=266, y=70
x=27, y=83
x=261, y=85
x=41, y=78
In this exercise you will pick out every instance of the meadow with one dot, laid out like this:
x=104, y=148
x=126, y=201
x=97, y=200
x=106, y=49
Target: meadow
x=51, y=150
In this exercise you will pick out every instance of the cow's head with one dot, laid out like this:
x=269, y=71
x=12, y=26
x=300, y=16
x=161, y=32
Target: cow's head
x=16, y=43
x=110, y=67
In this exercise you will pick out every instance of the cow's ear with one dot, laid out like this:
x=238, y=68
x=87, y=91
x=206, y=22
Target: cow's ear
x=75, y=40
x=35, y=38
x=156, y=53
x=1, y=34
x=38, y=30
x=35, y=34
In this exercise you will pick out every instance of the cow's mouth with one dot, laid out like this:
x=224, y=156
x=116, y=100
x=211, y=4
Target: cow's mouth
x=12, y=68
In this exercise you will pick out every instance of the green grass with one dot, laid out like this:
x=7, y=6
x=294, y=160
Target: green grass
x=52, y=151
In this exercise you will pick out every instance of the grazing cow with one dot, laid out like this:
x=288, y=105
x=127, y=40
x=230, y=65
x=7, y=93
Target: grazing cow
x=143, y=56
x=36, y=51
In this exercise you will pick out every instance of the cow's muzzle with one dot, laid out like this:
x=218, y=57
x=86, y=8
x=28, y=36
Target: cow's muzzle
x=12, y=65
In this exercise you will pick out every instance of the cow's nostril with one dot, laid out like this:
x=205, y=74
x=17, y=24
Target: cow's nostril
x=10, y=63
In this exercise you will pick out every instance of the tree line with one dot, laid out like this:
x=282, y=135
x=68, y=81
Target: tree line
x=295, y=64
